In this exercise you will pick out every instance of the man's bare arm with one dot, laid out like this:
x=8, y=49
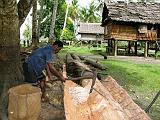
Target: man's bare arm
x=55, y=72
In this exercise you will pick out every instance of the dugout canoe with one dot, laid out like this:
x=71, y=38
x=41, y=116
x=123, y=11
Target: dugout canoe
x=101, y=104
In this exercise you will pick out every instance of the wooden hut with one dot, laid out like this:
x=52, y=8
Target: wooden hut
x=91, y=32
x=136, y=22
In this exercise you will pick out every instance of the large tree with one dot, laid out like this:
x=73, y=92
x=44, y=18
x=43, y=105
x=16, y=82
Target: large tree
x=52, y=27
x=10, y=72
x=47, y=17
x=35, y=40
x=24, y=7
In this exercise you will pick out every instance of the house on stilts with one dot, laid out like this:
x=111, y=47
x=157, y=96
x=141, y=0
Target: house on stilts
x=131, y=22
x=91, y=33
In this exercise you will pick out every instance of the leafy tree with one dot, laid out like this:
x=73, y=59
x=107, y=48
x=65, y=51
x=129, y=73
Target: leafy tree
x=73, y=15
x=27, y=32
x=52, y=27
x=46, y=18
x=35, y=40
x=69, y=31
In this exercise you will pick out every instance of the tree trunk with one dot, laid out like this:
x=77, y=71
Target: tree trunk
x=10, y=72
x=35, y=40
x=40, y=15
x=61, y=37
x=24, y=7
x=54, y=13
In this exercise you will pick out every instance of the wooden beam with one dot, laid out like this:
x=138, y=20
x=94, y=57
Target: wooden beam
x=136, y=48
x=115, y=47
x=146, y=49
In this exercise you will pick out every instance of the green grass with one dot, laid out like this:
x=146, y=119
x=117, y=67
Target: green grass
x=142, y=77
x=80, y=50
x=140, y=80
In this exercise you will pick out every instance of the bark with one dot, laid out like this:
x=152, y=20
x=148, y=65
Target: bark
x=24, y=7
x=92, y=63
x=74, y=56
x=35, y=40
x=74, y=67
x=65, y=21
x=104, y=55
x=40, y=16
x=10, y=72
x=52, y=27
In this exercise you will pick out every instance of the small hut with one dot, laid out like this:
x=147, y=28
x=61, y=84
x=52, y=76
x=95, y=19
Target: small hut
x=131, y=22
x=91, y=32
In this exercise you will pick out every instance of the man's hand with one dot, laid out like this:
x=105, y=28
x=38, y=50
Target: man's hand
x=63, y=79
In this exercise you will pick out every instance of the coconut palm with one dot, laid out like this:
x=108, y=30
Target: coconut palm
x=10, y=72
x=90, y=14
x=54, y=13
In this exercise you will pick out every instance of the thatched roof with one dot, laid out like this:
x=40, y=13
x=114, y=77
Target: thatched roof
x=91, y=28
x=133, y=12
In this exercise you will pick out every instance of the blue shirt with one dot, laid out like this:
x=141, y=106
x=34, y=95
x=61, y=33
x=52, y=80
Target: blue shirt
x=38, y=60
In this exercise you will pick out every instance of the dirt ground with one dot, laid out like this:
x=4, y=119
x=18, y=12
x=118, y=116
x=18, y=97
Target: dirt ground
x=137, y=59
x=53, y=110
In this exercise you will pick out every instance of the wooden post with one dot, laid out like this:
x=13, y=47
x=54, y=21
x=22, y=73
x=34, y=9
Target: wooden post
x=145, y=49
x=148, y=48
x=129, y=46
x=136, y=48
x=115, y=47
x=156, y=49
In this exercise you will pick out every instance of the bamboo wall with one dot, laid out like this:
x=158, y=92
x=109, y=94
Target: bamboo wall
x=151, y=35
x=128, y=32
x=120, y=32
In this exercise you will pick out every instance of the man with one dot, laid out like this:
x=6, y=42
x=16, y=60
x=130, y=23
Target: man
x=40, y=60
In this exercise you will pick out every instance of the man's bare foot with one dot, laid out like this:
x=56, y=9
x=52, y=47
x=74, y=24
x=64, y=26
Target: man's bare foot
x=45, y=99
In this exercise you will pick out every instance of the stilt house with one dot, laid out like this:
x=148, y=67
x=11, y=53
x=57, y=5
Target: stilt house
x=136, y=22
x=91, y=32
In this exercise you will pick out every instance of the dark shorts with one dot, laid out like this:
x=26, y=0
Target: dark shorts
x=30, y=76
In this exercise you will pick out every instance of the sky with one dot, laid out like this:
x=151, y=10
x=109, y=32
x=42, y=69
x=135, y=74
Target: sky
x=84, y=3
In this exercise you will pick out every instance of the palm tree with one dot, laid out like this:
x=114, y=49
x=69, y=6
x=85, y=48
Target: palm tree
x=74, y=14
x=90, y=14
x=24, y=7
x=35, y=40
x=65, y=21
x=54, y=13
x=10, y=72
x=40, y=16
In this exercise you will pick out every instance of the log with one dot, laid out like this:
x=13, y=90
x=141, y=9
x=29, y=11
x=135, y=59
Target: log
x=104, y=55
x=131, y=109
x=74, y=56
x=80, y=105
x=75, y=67
x=94, y=64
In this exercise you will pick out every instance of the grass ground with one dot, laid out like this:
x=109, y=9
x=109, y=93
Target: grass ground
x=142, y=81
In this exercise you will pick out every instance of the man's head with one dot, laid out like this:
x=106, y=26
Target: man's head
x=57, y=45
